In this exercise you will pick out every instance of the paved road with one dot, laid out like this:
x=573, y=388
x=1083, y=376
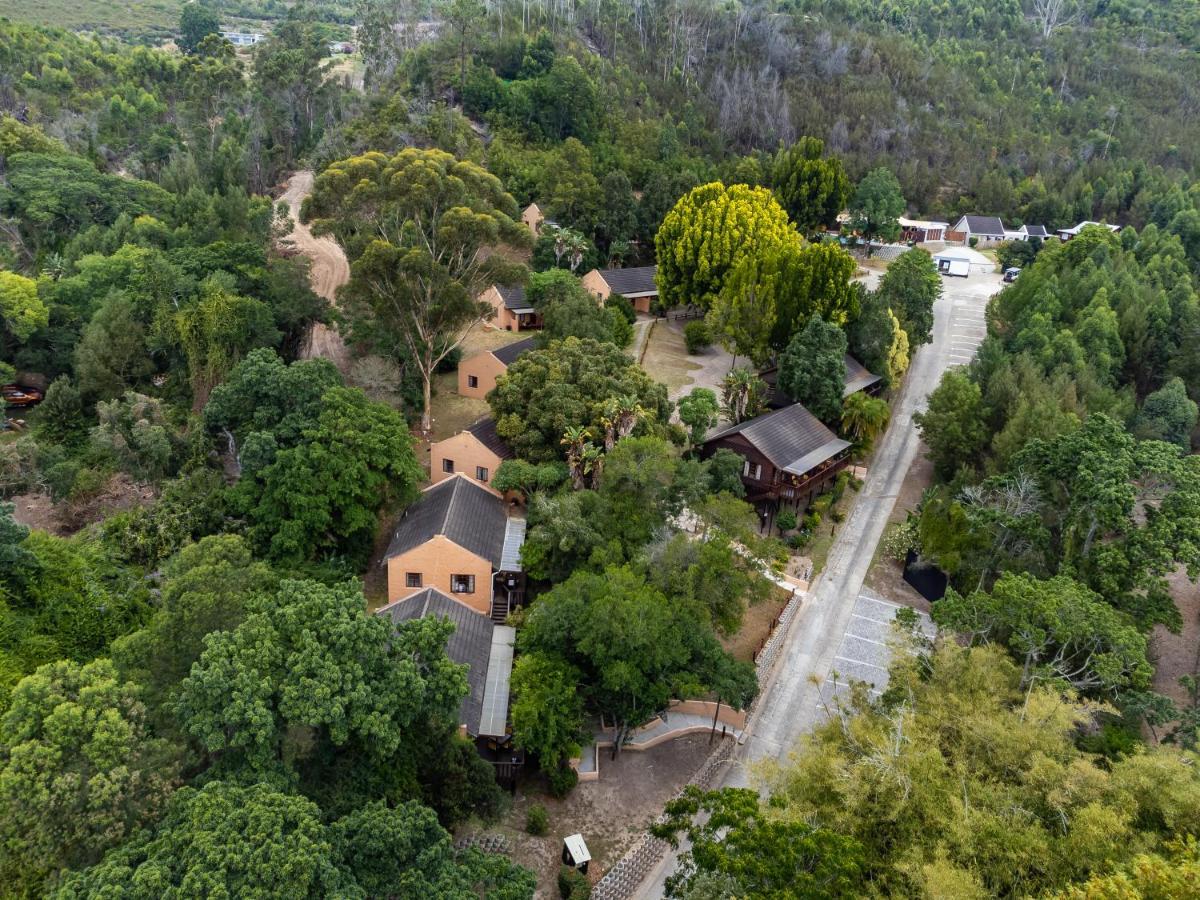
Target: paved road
x=790, y=704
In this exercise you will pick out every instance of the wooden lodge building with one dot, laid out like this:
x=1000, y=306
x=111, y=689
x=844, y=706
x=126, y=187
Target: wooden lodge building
x=788, y=457
x=858, y=378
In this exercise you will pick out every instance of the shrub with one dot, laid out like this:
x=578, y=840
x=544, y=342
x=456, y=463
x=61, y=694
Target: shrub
x=697, y=335
x=573, y=884
x=974, y=242
x=838, y=515
x=812, y=521
x=821, y=505
x=537, y=820
x=799, y=540
x=624, y=305
x=562, y=780
x=899, y=538
x=785, y=520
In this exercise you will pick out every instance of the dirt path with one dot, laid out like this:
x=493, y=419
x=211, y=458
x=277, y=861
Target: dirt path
x=330, y=270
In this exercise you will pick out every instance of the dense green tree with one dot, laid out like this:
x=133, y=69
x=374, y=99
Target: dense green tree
x=321, y=496
x=416, y=226
x=568, y=310
x=80, y=771
x=708, y=232
x=732, y=836
x=910, y=287
x=812, y=370
x=269, y=695
x=928, y=780
x=217, y=330
x=60, y=415
x=21, y=309
x=547, y=711
x=877, y=339
x=634, y=647
x=1168, y=414
x=699, y=411
x=876, y=205
x=205, y=589
x=953, y=426
x=111, y=355
x=569, y=384
x=1056, y=629
x=252, y=841
x=812, y=188
x=196, y=22
x=135, y=432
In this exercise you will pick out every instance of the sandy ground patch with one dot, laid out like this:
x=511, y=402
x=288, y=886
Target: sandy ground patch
x=1175, y=655
x=886, y=576
x=611, y=813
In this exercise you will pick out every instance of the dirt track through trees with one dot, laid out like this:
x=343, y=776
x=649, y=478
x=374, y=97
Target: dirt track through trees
x=329, y=271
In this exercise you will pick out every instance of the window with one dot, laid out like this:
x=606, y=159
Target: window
x=412, y=579
x=752, y=471
x=481, y=473
x=473, y=381
x=462, y=584
x=448, y=466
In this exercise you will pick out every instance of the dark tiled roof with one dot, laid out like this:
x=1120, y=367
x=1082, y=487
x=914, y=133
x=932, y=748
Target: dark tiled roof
x=792, y=438
x=513, y=297
x=858, y=378
x=485, y=432
x=460, y=509
x=471, y=642
x=985, y=224
x=1036, y=231
x=509, y=352
x=637, y=280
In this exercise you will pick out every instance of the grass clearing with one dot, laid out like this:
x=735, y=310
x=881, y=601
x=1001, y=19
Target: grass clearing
x=153, y=20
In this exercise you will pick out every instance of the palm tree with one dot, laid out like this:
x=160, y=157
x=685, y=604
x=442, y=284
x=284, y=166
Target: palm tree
x=743, y=394
x=864, y=419
x=620, y=416
x=575, y=439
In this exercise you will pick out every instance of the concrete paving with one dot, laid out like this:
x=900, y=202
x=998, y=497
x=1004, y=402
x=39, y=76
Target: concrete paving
x=790, y=703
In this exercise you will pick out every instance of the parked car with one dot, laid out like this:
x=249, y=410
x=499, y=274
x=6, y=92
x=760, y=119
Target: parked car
x=16, y=395
x=1010, y=274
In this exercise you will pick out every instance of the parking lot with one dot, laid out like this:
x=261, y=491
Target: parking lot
x=866, y=646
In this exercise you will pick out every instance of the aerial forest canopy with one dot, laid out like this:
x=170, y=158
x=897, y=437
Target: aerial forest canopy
x=195, y=694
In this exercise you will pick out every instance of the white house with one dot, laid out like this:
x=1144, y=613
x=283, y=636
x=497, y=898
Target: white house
x=1067, y=233
x=985, y=230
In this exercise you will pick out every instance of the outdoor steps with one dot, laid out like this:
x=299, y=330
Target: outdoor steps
x=499, y=610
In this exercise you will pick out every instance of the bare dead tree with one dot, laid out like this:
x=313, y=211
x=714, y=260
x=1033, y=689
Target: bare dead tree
x=1051, y=15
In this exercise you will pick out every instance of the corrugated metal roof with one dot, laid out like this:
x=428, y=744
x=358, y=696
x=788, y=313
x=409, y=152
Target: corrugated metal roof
x=460, y=509
x=470, y=644
x=632, y=282
x=858, y=377
x=788, y=437
x=493, y=716
x=514, y=537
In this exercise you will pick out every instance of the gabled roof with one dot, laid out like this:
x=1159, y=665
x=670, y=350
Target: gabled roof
x=984, y=224
x=1082, y=225
x=792, y=438
x=471, y=643
x=858, y=377
x=509, y=352
x=459, y=509
x=514, y=297
x=632, y=282
x=485, y=432
x=1036, y=231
